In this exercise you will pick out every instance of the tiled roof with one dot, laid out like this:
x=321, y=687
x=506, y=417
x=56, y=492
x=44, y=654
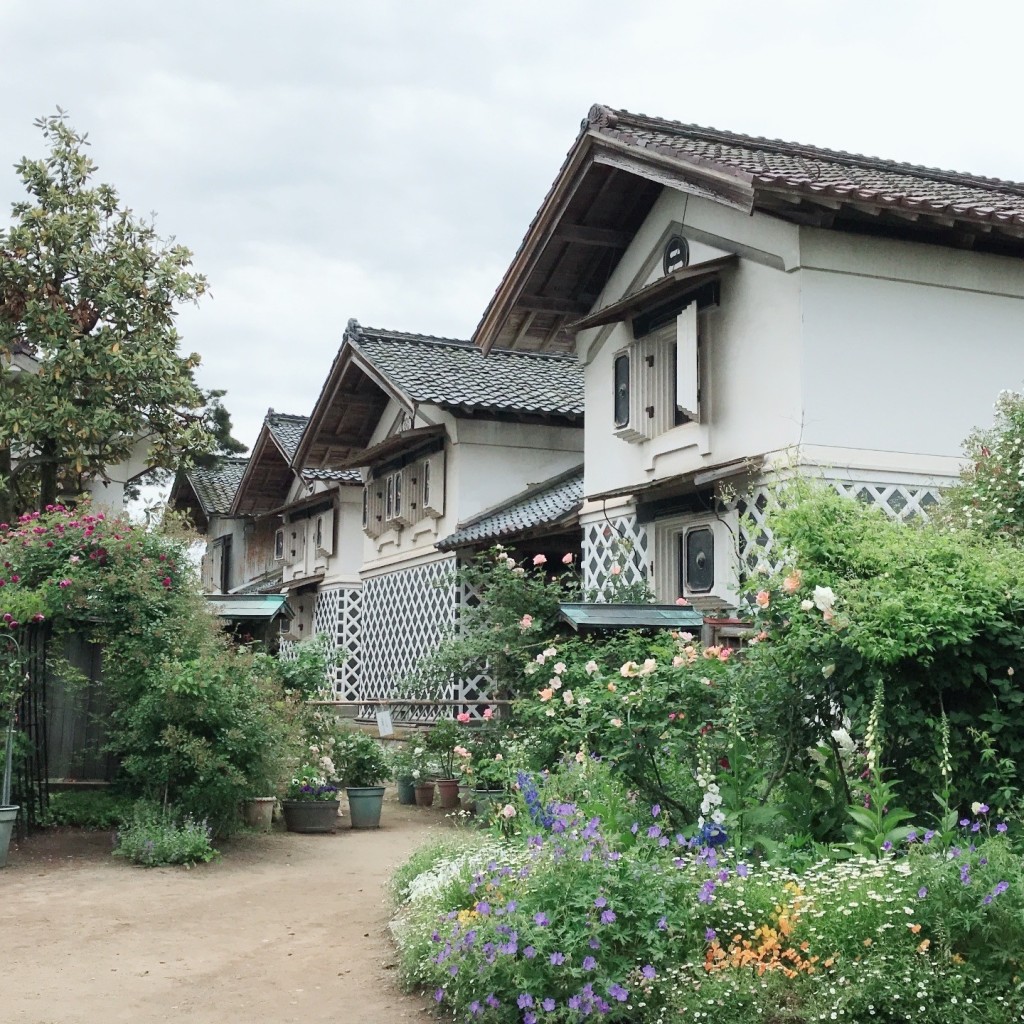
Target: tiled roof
x=215, y=487
x=551, y=503
x=268, y=583
x=347, y=476
x=816, y=172
x=454, y=374
x=287, y=430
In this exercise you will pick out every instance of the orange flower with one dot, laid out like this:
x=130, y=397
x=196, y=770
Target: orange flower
x=547, y=693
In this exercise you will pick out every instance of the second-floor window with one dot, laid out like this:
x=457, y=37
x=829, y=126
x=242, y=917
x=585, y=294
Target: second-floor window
x=657, y=379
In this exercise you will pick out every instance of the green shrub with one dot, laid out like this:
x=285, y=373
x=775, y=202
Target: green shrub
x=153, y=837
x=92, y=809
x=203, y=735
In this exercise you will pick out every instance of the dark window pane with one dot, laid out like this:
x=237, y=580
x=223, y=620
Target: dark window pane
x=622, y=389
x=699, y=559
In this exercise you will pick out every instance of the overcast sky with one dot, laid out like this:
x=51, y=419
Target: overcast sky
x=382, y=160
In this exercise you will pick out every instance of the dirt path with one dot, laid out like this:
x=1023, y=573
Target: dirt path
x=284, y=928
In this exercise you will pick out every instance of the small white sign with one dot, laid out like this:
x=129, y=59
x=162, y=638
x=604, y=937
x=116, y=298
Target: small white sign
x=385, y=727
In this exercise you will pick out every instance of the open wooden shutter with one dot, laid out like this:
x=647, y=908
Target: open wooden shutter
x=687, y=376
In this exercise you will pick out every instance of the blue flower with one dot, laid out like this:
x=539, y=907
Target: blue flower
x=648, y=972
x=524, y=1001
x=600, y=902
x=710, y=935
x=589, y=963
x=616, y=991
x=548, y=1005
x=541, y=919
x=607, y=916
x=557, y=959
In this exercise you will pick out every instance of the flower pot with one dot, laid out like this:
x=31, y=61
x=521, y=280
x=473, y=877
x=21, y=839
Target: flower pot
x=364, y=804
x=466, y=801
x=425, y=794
x=448, y=791
x=311, y=815
x=8, y=815
x=258, y=812
x=406, y=791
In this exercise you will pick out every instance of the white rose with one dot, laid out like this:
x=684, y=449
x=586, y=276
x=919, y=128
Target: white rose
x=824, y=599
x=806, y=605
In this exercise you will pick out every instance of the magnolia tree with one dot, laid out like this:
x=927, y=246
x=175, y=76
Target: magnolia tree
x=88, y=299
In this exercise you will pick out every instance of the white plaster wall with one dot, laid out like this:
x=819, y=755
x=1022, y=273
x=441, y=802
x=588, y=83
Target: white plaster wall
x=907, y=365
x=751, y=358
x=486, y=462
x=493, y=461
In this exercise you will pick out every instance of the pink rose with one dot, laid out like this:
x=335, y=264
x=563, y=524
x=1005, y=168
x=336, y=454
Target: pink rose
x=616, y=569
x=682, y=602
x=763, y=599
x=462, y=716
x=791, y=584
x=488, y=713
x=539, y=559
x=526, y=622
x=567, y=558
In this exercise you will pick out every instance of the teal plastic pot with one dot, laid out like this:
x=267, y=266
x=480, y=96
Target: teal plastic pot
x=8, y=816
x=364, y=805
x=406, y=791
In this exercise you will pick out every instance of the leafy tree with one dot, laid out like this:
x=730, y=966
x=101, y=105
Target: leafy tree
x=990, y=495
x=90, y=291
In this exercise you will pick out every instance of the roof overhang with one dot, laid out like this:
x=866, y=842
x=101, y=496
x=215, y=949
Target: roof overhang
x=406, y=443
x=674, y=288
x=654, y=489
x=303, y=581
x=585, y=617
x=250, y=606
x=349, y=407
x=266, y=479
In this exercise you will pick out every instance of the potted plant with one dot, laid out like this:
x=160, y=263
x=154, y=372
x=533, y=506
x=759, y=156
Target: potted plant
x=402, y=762
x=441, y=742
x=482, y=766
x=364, y=767
x=422, y=776
x=312, y=803
x=12, y=679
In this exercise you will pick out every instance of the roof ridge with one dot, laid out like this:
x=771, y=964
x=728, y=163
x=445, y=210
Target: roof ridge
x=284, y=415
x=358, y=330
x=380, y=334
x=601, y=116
x=221, y=459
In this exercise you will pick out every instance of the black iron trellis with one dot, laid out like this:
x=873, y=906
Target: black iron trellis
x=30, y=783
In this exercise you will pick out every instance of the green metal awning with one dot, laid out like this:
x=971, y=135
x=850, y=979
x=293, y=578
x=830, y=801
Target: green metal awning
x=630, y=616
x=250, y=606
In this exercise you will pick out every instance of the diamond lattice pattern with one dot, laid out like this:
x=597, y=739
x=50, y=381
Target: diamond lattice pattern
x=337, y=616
x=405, y=614
x=902, y=502
x=620, y=541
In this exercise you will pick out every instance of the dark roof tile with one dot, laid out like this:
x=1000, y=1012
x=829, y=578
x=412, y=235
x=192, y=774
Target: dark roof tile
x=215, y=487
x=553, y=502
x=454, y=374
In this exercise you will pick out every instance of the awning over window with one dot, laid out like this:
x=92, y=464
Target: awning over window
x=630, y=616
x=673, y=287
x=250, y=606
x=404, y=443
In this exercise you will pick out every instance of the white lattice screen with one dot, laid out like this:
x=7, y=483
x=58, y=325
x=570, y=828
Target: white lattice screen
x=902, y=502
x=405, y=613
x=336, y=615
x=619, y=541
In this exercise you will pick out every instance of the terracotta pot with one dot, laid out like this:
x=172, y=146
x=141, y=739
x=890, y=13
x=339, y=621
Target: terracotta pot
x=448, y=790
x=425, y=794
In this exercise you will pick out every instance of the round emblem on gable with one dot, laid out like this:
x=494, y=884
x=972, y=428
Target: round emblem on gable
x=677, y=254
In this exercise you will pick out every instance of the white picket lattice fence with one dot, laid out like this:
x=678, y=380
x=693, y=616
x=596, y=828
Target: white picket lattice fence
x=336, y=615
